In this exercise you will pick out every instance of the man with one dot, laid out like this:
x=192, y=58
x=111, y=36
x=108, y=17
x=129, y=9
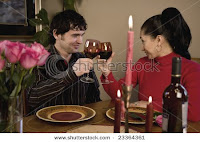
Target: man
x=58, y=82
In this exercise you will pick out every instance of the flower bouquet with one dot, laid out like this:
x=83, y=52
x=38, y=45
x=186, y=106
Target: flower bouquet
x=17, y=61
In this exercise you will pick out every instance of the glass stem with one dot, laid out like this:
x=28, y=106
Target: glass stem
x=88, y=75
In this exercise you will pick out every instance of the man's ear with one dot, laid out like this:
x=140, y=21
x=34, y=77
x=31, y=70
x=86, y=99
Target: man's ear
x=55, y=35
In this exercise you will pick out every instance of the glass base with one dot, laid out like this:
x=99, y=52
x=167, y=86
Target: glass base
x=87, y=80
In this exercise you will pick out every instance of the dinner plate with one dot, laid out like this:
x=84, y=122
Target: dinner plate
x=137, y=110
x=65, y=113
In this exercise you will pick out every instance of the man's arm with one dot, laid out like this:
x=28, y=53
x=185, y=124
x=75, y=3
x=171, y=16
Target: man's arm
x=45, y=87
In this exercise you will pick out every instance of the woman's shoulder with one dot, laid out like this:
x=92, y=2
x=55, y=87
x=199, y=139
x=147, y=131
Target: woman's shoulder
x=190, y=68
x=191, y=65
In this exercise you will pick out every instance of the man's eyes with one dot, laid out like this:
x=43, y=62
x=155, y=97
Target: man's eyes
x=76, y=35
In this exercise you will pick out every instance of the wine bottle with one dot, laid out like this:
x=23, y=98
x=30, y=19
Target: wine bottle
x=175, y=102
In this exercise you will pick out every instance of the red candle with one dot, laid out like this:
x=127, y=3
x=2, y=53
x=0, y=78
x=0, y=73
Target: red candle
x=149, y=116
x=117, y=122
x=129, y=54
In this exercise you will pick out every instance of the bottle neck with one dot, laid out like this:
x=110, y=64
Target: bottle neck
x=176, y=70
x=176, y=79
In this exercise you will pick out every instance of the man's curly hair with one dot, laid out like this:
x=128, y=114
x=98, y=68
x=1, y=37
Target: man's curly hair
x=65, y=21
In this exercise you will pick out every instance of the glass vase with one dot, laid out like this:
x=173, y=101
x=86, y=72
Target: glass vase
x=11, y=115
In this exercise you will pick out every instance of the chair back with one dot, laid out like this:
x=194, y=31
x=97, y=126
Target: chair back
x=196, y=60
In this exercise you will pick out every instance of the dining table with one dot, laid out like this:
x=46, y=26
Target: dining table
x=32, y=124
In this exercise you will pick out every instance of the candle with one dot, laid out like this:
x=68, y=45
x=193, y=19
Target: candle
x=38, y=5
x=129, y=54
x=117, y=121
x=149, y=116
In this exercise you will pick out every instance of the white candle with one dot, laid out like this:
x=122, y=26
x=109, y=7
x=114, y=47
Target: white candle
x=38, y=7
x=40, y=4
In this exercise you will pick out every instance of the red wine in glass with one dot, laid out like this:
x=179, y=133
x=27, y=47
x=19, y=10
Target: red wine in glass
x=91, y=50
x=105, y=53
x=91, y=53
x=105, y=50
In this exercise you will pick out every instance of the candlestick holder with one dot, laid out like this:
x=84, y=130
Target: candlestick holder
x=127, y=91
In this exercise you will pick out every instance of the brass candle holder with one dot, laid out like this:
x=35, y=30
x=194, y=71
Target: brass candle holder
x=127, y=91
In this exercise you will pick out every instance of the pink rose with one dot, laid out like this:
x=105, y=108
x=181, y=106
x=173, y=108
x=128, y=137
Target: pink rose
x=14, y=50
x=29, y=58
x=2, y=63
x=42, y=53
x=159, y=120
x=3, y=45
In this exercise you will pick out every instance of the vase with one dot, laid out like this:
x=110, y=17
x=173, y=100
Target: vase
x=11, y=114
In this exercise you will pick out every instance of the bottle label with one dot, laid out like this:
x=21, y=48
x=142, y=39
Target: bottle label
x=184, y=116
x=165, y=122
x=184, y=130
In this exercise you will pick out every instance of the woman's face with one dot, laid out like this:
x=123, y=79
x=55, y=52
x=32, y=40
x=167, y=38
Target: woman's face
x=149, y=45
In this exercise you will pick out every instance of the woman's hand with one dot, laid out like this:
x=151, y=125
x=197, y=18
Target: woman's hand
x=103, y=65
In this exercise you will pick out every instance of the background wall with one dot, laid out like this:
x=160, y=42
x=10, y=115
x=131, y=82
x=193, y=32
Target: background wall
x=108, y=21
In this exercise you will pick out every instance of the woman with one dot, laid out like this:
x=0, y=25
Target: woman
x=163, y=37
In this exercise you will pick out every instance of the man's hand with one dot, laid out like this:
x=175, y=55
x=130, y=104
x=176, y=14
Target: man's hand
x=82, y=66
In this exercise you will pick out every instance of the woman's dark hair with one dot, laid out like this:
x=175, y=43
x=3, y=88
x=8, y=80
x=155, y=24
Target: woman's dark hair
x=173, y=27
x=65, y=21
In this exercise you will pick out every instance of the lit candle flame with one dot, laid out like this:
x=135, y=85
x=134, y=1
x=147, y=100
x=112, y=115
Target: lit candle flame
x=118, y=94
x=150, y=99
x=130, y=22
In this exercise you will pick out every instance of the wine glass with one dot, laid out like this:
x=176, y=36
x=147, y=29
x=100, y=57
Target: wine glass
x=105, y=53
x=91, y=50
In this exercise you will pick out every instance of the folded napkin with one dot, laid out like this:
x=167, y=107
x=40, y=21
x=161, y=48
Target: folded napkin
x=98, y=129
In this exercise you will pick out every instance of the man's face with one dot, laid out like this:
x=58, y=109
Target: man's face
x=70, y=41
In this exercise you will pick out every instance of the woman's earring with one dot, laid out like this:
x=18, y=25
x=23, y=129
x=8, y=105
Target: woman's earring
x=158, y=48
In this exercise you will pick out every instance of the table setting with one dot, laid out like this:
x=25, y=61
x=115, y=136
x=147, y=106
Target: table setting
x=32, y=123
x=95, y=118
x=118, y=116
